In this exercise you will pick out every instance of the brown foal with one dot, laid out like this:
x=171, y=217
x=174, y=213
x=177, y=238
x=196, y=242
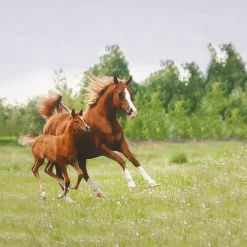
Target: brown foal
x=60, y=150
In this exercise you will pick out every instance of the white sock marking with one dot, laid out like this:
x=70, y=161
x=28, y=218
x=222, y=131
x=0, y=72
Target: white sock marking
x=145, y=175
x=129, y=178
x=93, y=186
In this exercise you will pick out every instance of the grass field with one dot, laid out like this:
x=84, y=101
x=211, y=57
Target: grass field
x=200, y=203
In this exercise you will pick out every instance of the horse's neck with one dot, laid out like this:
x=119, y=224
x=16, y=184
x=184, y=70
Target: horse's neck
x=105, y=107
x=103, y=116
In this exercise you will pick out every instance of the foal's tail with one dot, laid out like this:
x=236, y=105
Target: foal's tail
x=26, y=140
x=52, y=104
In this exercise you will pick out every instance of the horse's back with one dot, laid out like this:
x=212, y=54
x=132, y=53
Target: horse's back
x=55, y=125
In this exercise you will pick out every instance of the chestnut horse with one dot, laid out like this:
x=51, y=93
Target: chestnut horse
x=105, y=97
x=60, y=150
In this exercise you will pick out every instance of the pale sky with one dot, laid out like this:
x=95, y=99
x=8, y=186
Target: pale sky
x=37, y=37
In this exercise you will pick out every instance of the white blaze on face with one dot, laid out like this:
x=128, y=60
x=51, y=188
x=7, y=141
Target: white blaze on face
x=84, y=122
x=134, y=111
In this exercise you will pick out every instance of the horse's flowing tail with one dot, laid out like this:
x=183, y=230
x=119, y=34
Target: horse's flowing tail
x=52, y=104
x=26, y=140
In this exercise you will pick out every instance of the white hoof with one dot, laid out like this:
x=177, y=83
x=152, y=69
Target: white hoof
x=153, y=184
x=68, y=199
x=132, y=189
x=43, y=194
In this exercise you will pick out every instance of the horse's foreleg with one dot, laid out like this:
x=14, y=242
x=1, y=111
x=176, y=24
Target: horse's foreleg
x=90, y=182
x=124, y=148
x=111, y=155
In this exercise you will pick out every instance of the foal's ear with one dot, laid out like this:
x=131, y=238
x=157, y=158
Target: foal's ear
x=73, y=112
x=81, y=112
x=115, y=79
x=128, y=82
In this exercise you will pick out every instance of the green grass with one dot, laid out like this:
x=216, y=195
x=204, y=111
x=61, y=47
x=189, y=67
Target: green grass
x=200, y=203
x=8, y=140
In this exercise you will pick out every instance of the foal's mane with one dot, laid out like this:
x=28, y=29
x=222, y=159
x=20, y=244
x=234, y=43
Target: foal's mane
x=96, y=88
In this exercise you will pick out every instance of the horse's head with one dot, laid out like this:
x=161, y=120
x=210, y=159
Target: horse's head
x=78, y=121
x=122, y=97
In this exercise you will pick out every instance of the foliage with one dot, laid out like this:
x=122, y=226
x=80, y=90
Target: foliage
x=178, y=158
x=172, y=103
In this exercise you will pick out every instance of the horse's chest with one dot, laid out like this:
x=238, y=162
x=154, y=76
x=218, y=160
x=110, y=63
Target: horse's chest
x=112, y=140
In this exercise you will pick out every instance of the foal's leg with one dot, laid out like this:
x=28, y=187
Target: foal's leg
x=124, y=148
x=37, y=164
x=48, y=170
x=110, y=154
x=65, y=193
x=79, y=173
x=90, y=182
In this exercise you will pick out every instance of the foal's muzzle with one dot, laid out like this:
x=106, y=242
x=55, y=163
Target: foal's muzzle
x=86, y=129
x=131, y=113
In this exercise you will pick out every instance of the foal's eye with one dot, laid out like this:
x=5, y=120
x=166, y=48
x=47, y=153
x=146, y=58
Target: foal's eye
x=77, y=121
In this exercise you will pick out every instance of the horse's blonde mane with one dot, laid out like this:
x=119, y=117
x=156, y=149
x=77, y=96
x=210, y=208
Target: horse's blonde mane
x=96, y=88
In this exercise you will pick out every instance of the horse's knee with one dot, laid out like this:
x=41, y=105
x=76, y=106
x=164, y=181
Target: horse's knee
x=122, y=162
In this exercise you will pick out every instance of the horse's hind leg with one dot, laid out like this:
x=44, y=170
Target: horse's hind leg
x=59, y=174
x=65, y=193
x=90, y=182
x=48, y=170
x=79, y=173
x=37, y=164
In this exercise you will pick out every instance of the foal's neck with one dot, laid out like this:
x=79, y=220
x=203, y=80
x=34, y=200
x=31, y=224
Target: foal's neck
x=69, y=132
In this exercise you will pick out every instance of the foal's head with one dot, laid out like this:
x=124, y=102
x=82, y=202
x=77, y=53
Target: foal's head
x=78, y=122
x=122, y=97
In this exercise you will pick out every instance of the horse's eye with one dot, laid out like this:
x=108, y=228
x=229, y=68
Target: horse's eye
x=77, y=121
x=121, y=95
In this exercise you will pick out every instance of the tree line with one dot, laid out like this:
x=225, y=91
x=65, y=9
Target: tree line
x=173, y=104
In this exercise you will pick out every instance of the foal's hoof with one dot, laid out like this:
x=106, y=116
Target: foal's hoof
x=153, y=184
x=132, y=189
x=73, y=187
x=43, y=194
x=60, y=195
x=99, y=194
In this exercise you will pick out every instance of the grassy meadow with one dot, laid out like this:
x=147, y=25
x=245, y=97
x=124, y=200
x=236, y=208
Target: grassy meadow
x=200, y=203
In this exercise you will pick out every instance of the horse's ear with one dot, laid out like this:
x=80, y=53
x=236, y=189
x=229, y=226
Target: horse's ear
x=128, y=82
x=115, y=79
x=73, y=112
x=81, y=112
